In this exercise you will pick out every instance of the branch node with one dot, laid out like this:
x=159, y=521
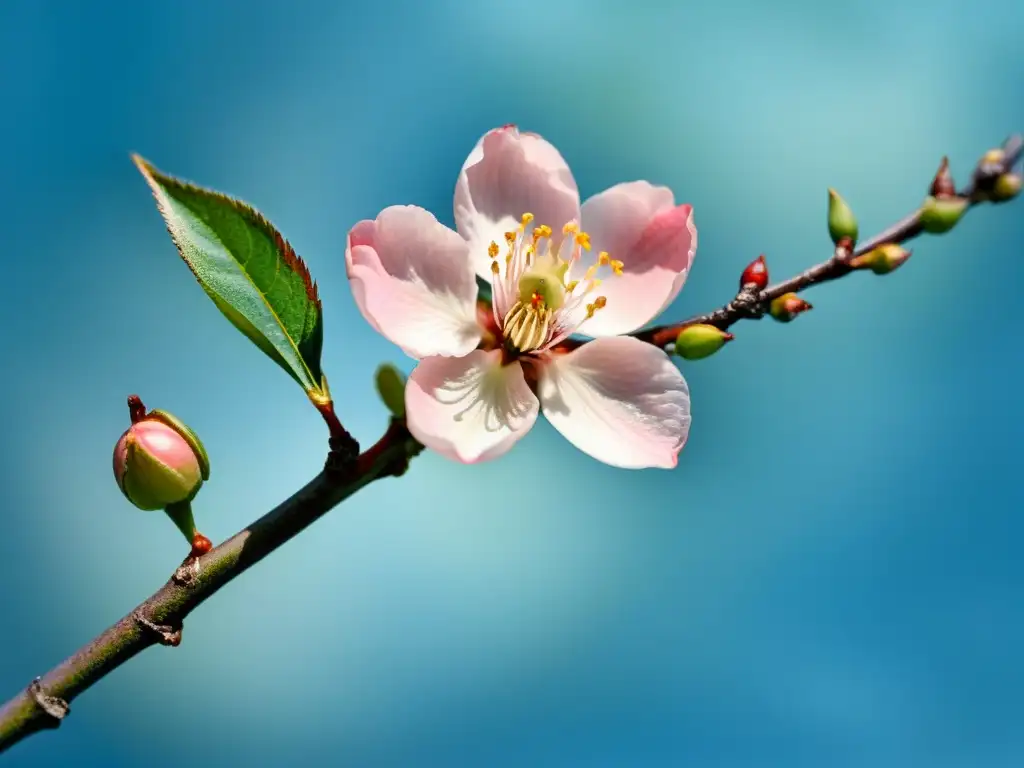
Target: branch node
x=843, y=251
x=747, y=303
x=343, y=455
x=54, y=707
x=187, y=574
x=165, y=633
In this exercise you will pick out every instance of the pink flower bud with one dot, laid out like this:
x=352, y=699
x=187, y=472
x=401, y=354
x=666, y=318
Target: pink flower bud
x=155, y=466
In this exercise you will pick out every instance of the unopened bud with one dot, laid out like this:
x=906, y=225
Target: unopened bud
x=695, y=342
x=943, y=185
x=158, y=461
x=883, y=259
x=391, y=388
x=993, y=157
x=756, y=274
x=940, y=215
x=841, y=221
x=787, y=306
x=1006, y=187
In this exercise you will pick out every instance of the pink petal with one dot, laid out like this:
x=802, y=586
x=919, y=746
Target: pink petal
x=507, y=174
x=413, y=282
x=471, y=408
x=641, y=226
x=619, y=399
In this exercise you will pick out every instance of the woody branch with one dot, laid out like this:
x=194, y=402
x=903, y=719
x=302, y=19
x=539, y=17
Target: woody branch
x=45, y=702
x=993, y=180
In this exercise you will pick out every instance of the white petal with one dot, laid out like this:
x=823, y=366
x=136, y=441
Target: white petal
x=507, y=174
x=470, y=409
x=413, y=282
x=619, y=399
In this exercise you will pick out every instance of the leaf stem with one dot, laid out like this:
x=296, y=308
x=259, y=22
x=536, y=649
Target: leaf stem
x=344, y=448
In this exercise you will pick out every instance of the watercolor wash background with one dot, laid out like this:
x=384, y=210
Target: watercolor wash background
x=830, y=577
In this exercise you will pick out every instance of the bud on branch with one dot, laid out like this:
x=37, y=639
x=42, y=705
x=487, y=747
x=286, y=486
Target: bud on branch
x=160, y=464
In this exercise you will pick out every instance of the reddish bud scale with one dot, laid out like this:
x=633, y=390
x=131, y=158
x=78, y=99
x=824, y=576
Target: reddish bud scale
x=136, y=410
x=943, y=184
x=756, y=274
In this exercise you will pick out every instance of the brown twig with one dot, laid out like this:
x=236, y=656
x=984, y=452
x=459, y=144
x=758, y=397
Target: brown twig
x=752, y=305
x=45, y=701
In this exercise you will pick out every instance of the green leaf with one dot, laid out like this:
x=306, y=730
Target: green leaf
x=249, y=270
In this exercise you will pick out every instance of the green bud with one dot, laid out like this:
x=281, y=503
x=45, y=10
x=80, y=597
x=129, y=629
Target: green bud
x=882, y=260
x=940, y=215
x=696, y=342
x=841, y=221
x=391, y=388
x=787, y=306
x=1007, y=186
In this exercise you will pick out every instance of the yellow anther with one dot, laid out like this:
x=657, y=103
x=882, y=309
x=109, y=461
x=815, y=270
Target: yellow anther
x=599, y=303
x=527, y=218
x=583, y=241
x=617, y=266
x=495, y=268
x=572, y=286
x=571, y=228
x=510, y=237
x=542, y=231
x=604, y=259
x=492, y=250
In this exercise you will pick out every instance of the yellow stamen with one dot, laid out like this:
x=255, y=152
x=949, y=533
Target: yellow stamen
x=604, y=259
x=495, y=268
x=492, y=250
x=616, y=266
x=572, y=286
x=527, y=218
x=571, y=228
x=510, y=237
x=583, y=241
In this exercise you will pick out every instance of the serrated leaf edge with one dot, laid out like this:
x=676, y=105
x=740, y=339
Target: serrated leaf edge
x=154, y=177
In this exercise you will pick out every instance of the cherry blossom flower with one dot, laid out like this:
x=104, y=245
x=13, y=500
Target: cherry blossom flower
x=603, y=269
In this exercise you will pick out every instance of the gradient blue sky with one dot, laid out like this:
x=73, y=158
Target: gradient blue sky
x=830, y=578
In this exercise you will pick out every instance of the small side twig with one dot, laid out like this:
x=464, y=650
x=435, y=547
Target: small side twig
x=748, y=305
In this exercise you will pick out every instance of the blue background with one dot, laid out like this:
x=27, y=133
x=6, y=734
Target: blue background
x=830, y=578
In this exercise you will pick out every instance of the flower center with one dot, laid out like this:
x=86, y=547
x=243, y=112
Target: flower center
x=533, y=304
